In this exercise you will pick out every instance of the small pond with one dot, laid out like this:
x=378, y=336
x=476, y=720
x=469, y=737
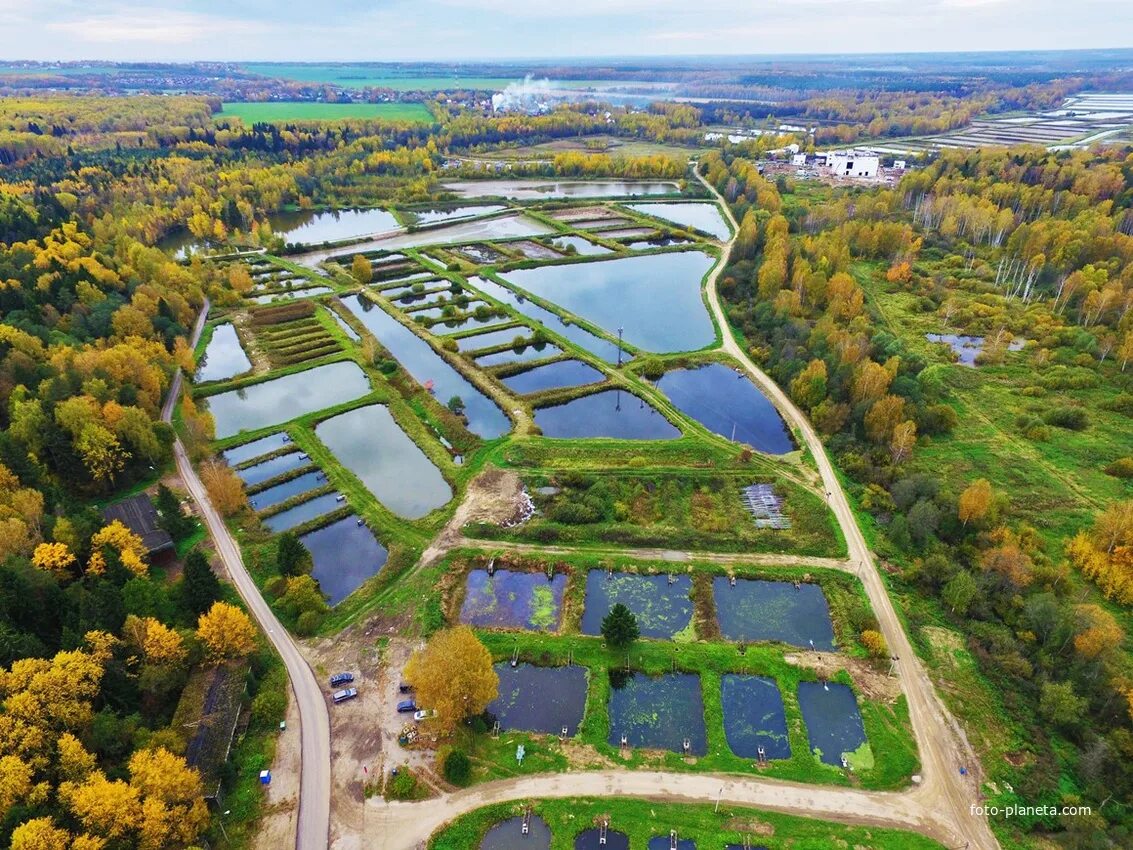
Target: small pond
x=657, y=713
x=663, y=609
x=370, y=443
x=272, y=496
x=833, y=722
x=755, y=610
x=303, y=512
x=525, y=355
x=468, y=323
x=590, y=839
x=427, y=368
x=224, y=357
x=561, y=373
x=307, y=292
x=729, y=404
x=283, y=399
x=513, y=600
x=531, y=190
x=540, y=699
x=346, y=329
x=344, y=554
x=443, y=216
x=508, y=835
x=582, y=247
x=252, y=475
x=655, y=297
x=492, y=338
x=611, y=413
x=256, y=448
x=581, y=337
x=700, y=216
x=753, y=716
x=664, y=842
x=968, y=348
x=313, y=228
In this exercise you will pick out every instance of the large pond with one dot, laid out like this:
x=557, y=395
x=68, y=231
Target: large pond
x=530, y=190
x=561, y=373
x=703, y=217
x=224, y=356
x=773, y=610
x=968, y=348
x=443, y=216
x=833, y=722
x=540, y=699
x=425, y=365
x=657, y=713
x=611, y=413
x=260, y=472
x=729, y=404
x=581, y=337
x=513, y=600
x=286, y=398
x=370, y=443
x=661, y=603
x=754, y=717
x=301, y=513
x=524, y=355
x=344, y=555
x=591, y=839
x=656, y=298
x=273, y=496
x=508, y=835
x=313, y=228
x=504, y=227
x=255, y=448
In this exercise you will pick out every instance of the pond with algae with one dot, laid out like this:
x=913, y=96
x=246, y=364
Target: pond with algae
x=513, y=600
x=661, y=603
x=657, y=712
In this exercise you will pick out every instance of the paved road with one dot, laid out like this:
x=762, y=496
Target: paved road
x=314, y=723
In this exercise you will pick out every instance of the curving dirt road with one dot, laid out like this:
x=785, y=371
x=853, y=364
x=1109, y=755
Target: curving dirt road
x=314, y=723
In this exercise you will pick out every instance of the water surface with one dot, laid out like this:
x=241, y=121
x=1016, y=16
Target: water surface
x=370, y=443
x=513, y=600
x=610, y=413
x=704, y=217
x=438, y=216
x=590, y=840
x=729, y=404
x=968, y=348
x=527, y=354
x=583, y=247
x=773, y=610
x=656, y=298
x=663, y=609
x=508, y=835
x=561, y=373
x=344, y=554
x=530, y=190
x=224, y=357
x=540, y=699
x=287, y=294
x=273, y=496
x=754, y=717
x=657, y=712
x=311, y=227
x=303, y=512
x=260, y=472
x=285, y=398
x=833, y=721
x=256, y=448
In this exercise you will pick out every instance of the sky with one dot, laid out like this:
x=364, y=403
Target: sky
x=452, y=30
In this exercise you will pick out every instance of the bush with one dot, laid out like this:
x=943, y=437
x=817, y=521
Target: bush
x=457, y=767
x=1121, y=468
x=308, y=623
x=403, y=786
x=1071, y=418
x=874, y=643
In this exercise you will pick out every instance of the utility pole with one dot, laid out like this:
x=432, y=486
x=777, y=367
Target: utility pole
x=620, y=329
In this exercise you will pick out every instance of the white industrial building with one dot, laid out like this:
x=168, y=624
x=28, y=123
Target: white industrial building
x=854, y=163
x=798, y=159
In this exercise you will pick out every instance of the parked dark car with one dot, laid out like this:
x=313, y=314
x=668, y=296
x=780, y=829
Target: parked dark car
x=406, y=705
x=344, y=695
x=340, y=679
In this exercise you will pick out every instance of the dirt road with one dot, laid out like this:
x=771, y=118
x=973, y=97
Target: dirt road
x=314, y=725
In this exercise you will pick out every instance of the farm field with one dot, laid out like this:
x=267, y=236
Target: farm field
x=269, y=112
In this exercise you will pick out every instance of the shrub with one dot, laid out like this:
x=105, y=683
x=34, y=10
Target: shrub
x=1121, y=468
x=1071, y=418
x=308, y=623
x=403, y=785
x=457, y=767
x=875, y=644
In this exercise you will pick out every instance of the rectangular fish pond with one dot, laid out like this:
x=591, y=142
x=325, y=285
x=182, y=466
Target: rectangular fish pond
x=439, y=216
x=755, y=610
x=657, y=713
x=540, y=699
x=345, y=554
x=302, y=512
x=290, y=488
x=370, y=443
x=728, y=403
x=532, y=190
x=561, y=373
x=254, y=449
x=581, y=337
x=663, y=608
x=655, y=297
x=287, y=294
x=492, y=338
x=509, y=835
x=582, y=247
x=616, y=414
x=313, y=228
x=265, y=470
x=224, y=357
x=428, y=368
x=754, y=717
x=704, y=217
x=282, y=399
x=524, y=355
x=834, y=724
x=513, y=600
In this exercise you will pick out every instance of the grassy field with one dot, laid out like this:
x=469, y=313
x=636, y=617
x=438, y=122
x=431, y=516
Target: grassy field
x=591, y=144
x=251, y=113
x=642, y=820
x=388, y=76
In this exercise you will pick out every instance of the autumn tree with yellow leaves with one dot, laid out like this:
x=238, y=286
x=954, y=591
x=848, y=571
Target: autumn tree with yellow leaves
x=453, y=676
x=226, y=632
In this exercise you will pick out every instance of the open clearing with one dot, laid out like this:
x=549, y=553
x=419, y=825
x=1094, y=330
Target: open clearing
x=271, y=111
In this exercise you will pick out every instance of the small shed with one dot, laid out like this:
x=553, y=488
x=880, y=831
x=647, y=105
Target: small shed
x=139, y=515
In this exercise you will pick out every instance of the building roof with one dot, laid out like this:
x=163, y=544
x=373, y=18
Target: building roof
x=207, y=715
x=139, y=515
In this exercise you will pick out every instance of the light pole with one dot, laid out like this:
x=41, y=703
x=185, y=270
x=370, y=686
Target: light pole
x=719, y=797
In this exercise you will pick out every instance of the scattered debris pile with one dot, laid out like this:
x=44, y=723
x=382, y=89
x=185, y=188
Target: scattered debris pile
x=765, y=506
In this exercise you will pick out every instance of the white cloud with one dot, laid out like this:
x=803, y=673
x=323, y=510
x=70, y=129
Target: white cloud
x=151, y=26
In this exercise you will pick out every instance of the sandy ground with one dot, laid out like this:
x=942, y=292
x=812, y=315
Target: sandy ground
x=492, y=496
x=281, y=806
